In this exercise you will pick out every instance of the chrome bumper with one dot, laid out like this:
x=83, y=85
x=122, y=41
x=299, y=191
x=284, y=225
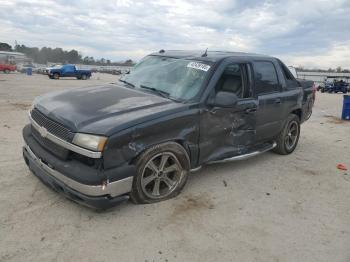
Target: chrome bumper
x=113, y=189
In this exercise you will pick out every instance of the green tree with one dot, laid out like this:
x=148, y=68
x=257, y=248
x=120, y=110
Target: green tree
x=5, y=47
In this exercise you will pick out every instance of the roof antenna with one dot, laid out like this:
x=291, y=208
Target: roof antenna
x=205, y=53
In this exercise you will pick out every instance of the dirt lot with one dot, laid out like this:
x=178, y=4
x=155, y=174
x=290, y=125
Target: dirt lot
x=268, y=208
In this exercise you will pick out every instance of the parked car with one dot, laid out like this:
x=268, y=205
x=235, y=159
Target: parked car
x=335, y=87
x=68, y=71
x=175, y=112
x=340, y=86
x=7, y=68
x=24, y=68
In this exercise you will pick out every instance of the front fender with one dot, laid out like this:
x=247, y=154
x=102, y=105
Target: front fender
x=124, y=147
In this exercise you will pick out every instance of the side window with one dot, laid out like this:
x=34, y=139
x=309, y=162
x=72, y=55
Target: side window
x=287, y=74
x=232, y=80
x=291, y=83
x=266, y=80
x=68, y=69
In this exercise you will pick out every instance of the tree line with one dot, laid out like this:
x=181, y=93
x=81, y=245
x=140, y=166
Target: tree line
x=329, y=70
x=338, y=69
x=46, y=55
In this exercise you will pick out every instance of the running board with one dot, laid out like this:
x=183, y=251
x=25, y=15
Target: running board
x=245, y=156
x=196, y=169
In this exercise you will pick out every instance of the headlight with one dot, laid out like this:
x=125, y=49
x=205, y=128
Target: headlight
x=95, y=143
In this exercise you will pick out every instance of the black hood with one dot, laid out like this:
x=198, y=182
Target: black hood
x=104, y=110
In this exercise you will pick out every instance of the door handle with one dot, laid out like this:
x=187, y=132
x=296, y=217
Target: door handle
x=250, y=110
x=278, y=101
x=211, y=111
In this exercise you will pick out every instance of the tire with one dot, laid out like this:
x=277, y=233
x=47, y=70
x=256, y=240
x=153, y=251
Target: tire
x=284, y=147
x=152, y=183
x=56, y=76
x=83, y=77
x=6, y=71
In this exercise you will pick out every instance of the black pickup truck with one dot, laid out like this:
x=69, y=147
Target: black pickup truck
x=173, y=113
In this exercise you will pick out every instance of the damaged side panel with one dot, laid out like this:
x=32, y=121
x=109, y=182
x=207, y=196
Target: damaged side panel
x=226, y=132
x=123, y=148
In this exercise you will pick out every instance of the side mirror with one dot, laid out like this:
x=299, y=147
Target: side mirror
x=224, y=99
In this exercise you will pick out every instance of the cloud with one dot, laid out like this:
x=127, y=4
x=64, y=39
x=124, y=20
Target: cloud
x=314, y=32
x=338, y=54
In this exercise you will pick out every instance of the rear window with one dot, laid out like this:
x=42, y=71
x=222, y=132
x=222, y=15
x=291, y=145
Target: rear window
x=266, y=80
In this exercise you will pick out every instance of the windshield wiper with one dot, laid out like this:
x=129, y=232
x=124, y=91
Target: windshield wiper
x=159, y=92
x=126, y=82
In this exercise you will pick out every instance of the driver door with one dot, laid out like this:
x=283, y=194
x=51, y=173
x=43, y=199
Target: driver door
x=226, y=132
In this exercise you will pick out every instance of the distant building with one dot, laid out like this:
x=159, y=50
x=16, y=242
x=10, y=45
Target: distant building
x=13, y=57
x=320, y=77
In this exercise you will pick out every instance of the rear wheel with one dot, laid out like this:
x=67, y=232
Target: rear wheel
x=288, y=139
x=162, y=172
x=83, y=77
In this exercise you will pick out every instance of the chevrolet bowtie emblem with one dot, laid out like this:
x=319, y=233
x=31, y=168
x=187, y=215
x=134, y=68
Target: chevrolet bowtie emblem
x=43, y=131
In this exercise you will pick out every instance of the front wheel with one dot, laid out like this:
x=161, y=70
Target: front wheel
x=56, y=76
x=162, y=172
x=288, y=139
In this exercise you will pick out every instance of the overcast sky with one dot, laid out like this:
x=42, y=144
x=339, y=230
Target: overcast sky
x=312, y=33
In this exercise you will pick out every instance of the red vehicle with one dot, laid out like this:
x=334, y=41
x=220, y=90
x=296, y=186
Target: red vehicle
x=7, y=68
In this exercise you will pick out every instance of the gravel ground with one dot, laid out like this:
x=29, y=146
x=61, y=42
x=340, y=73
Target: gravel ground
x=268, y=208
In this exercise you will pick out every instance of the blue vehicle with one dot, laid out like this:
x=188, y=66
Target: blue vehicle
x=328, y=87
x=340, y=86
x=68, y=71
x=335, y=87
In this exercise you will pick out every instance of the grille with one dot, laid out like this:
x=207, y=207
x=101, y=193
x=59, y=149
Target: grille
x=51, y=126
x=55, y=149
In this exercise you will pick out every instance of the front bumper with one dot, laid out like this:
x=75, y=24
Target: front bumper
x=97, y=196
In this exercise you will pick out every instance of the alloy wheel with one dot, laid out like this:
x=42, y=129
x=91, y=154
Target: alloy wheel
x=292, y=135
x=161, y=175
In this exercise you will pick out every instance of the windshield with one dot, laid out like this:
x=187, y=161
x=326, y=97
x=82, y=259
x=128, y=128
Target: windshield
x=178, y=78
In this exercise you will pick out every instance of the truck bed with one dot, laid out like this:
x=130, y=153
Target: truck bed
x=308, y=97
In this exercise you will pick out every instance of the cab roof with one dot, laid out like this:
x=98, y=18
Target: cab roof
x=212, y=56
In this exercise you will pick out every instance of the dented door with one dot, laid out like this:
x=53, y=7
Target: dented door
x=225, y=132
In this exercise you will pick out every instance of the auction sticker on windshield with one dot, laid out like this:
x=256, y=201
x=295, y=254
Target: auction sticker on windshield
x=199, y=66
